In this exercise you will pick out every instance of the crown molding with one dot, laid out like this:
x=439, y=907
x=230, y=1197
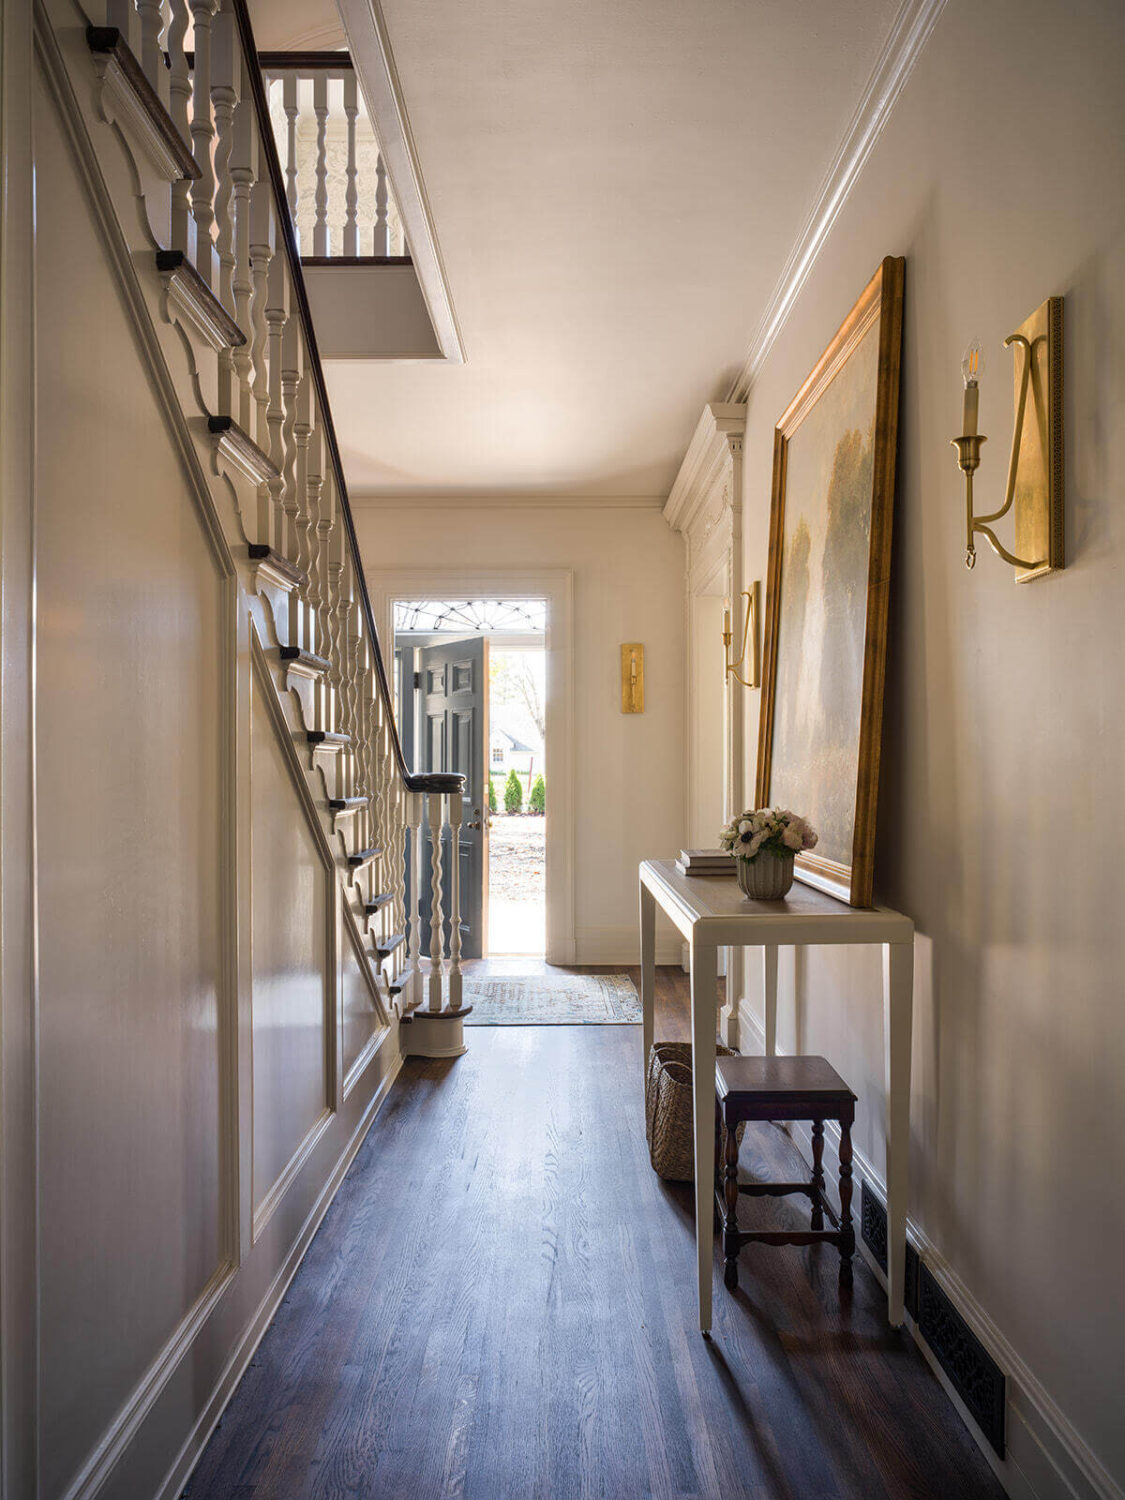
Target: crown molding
x=506, y=502
x=715, y=443
x=908, y=35
x=373, y=60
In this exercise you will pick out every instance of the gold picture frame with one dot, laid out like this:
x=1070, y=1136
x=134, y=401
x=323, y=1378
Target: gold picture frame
x=827, y=591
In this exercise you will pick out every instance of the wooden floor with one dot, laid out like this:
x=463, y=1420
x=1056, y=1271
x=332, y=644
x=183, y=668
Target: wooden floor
x=501, y=1303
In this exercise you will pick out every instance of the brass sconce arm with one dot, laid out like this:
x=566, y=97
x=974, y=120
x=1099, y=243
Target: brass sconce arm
x=749, y=639
x=1034, y=488
x=968, y=460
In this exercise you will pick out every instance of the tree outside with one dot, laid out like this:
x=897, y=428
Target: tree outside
x=513, y=794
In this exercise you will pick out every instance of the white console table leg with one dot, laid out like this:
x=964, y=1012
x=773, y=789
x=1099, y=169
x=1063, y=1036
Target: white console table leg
x=704, y=1000
x=898, y=1009
x=648, y=973
x=769, y=996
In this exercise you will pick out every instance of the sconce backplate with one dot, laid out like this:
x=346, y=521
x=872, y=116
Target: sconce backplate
x=1038, y=499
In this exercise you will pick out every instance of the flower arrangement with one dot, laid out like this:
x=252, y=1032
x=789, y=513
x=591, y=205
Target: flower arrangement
x=766, y=830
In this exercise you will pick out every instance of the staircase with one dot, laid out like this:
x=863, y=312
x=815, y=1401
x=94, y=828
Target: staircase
x=218, y=886
x=195, y=121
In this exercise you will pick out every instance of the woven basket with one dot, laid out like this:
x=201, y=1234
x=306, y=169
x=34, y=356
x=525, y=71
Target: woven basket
x=668, y=1110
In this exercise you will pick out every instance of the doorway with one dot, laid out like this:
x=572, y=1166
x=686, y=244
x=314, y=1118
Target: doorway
x=472, y=687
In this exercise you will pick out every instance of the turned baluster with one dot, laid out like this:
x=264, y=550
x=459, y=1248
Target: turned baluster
x=179, y=99
x=202, y=136
x=412, y=888
x=290, y=106
x=277, y=317
x=320, y=110
x=151, y=57
x=243, y=170
x=351, y=191
x=298, y=505
x=292, y=481
x=333, y=576
x=436, y=921
x=382, y=226
x=226, y=75
x=456, y=803
x=262, y=228
x=314, y=488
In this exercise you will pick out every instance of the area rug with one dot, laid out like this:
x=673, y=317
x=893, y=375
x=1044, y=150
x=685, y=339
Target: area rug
x=552, y=1000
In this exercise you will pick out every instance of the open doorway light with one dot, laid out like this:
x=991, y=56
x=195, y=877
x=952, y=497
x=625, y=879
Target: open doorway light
x=471, y=679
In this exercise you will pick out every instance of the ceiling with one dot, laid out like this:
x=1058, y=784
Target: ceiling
x=615, y=186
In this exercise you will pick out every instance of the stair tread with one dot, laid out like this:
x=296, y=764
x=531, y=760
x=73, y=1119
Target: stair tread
x=260, y=553
x=384, y=947
x=108, y=41
x=377, y=903
x=363, y=857
x=347, y=804
x=328, y=739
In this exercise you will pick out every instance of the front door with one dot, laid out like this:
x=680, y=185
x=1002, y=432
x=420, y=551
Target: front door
x=453, y=683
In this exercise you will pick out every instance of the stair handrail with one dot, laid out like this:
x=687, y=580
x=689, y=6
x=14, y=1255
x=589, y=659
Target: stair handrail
x=427, y=781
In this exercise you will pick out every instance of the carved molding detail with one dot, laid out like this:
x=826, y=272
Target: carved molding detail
x=126, y=98
x=705, y=502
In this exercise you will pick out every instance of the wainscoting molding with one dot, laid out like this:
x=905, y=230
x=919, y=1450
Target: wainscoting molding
x=262, y=683
x=243, y=1352
x=1047, y=1458
x=909, y=33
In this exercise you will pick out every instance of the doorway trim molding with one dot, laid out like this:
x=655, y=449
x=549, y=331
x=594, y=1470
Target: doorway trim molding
x=556, y=585
x=705, y=507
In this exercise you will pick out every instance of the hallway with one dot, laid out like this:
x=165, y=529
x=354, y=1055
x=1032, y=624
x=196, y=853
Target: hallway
x=500, y=1303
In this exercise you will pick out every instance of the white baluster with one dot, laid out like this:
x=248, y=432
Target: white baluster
x=123, y=15
x=299, y=631
x=225, y=77
x=289, y=104
x=436, y=920
x=320, y=110
x=202, y=135
x=261, y=260
x=351, y=192
x=412, y=891
x=179, y=97
x=243, y=169
x=382, y=228
x=277, y=316
x=314, y=487
x=456, y=802
x=152, y=23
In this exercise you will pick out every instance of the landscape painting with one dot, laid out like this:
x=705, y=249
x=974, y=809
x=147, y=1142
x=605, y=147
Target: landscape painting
x=827, y=592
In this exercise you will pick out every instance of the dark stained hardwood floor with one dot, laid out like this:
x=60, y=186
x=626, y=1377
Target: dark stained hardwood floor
x=501, y=1303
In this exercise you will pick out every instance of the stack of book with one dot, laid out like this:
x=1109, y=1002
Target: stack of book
x=705, y=862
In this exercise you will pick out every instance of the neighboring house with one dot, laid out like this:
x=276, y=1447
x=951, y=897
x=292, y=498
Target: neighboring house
x=507, y=753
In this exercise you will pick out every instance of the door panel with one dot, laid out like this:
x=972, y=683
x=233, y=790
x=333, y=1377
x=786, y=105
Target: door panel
x=453, y=679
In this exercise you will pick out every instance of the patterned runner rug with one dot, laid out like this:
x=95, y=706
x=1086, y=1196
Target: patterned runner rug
x=552, y=1000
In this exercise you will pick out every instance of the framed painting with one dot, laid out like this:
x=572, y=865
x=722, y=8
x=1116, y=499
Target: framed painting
x=827, y=592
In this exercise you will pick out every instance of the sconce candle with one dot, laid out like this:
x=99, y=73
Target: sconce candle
x=972, y=368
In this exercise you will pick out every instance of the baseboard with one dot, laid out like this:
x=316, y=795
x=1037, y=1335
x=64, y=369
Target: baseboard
x=189, y=1455
x=1047, y=1459
x=621, y=945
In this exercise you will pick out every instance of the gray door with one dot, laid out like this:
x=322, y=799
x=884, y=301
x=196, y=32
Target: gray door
x=453, y=724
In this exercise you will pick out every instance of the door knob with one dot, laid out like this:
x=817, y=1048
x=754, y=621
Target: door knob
x=477, y=824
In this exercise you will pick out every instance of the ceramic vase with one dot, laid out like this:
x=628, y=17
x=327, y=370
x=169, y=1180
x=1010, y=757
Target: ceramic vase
x=766, y=877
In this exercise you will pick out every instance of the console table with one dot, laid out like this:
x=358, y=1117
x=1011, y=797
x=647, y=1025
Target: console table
x=710, y=913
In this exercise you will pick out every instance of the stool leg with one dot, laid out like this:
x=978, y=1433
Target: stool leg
x=730, y=1224
x=818, y=1174
x=847, y=1233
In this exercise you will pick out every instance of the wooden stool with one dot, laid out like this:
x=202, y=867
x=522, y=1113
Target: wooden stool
x=783, y=1088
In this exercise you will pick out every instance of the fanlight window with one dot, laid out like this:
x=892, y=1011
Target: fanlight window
x=461, y=616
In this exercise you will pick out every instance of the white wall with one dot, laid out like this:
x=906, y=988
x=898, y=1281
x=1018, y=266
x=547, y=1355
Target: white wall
x=628, y=585
x=205, y=1047
x=999, y=177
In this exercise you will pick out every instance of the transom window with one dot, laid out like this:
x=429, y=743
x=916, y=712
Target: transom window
x=458, y=616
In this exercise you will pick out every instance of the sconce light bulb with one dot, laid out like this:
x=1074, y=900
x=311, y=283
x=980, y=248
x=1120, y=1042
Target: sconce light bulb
x=972, y=366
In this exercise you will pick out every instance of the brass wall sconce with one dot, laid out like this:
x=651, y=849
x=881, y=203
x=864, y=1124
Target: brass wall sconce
x=632, y=678
x=749, y=640
x=1035, y=469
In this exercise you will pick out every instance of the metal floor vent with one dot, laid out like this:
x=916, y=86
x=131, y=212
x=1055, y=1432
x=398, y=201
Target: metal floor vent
x=973, y=1373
